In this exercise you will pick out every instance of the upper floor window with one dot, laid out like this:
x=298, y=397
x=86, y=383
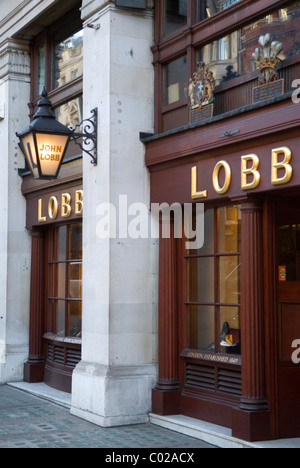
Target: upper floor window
x=177, y=12
x=57, y=64
x=68, y=59
x=231, y=55
x=175, y=80
x=209, y=8
x=231, y=37
x=175, y=15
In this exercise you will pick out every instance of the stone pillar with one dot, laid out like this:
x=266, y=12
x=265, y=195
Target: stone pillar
x=112, y=384
x=34, y=367
x=14, y=239
x=166, y=395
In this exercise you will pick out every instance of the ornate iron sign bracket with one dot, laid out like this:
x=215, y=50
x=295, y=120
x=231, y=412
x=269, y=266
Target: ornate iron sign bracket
x=87, y=140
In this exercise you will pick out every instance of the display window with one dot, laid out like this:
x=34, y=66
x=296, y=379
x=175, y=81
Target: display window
x=65, y=280
x=213, y=284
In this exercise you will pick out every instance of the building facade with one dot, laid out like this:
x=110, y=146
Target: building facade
x=197, y=105
x=226, y=135
x=77, y=304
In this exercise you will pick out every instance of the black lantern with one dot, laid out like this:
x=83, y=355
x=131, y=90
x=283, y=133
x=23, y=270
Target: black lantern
x=45, y=141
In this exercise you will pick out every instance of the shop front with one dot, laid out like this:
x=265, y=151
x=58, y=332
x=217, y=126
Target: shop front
x=54, y=218
x=229, y=311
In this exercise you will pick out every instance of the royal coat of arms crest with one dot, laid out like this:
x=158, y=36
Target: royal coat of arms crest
x=201, y=87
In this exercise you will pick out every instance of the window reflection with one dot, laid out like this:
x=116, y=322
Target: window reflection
x=175, y=80
x=68, y=60
x=70, y=113
x=41, y=65
x=231, y=56
x=175, y=13
x=208, y=8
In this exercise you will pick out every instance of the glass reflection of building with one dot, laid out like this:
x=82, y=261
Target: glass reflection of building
x=231, y=56
x=69, y=67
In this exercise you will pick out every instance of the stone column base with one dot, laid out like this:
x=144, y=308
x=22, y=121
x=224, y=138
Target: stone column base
x=112, y=396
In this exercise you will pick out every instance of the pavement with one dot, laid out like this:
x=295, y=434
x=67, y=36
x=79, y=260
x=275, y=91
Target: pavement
x=28, y=421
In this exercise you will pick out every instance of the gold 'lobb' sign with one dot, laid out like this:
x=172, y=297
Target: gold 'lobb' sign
x=281, y=173
x=63, y=206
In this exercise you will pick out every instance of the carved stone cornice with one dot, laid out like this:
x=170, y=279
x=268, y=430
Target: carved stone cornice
x=15, y=60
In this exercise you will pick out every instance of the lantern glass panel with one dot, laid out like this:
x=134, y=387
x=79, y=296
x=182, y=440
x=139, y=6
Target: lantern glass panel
x=28, y=148
x=51, y=149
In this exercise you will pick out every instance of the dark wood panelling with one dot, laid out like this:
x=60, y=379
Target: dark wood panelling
x=61, y=359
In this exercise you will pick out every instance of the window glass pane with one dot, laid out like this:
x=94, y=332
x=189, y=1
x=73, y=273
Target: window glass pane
x=175, y=14
x=74, y=319
x=41, y=73
x=62, y=243
x=61, y=306
x=75, y=280
x=61, y=280
x=208, y=246
x=75, y=242
x=201, y=327
x=229, y=229
x=208, y=8
x=68, y=63
x=230, y=330
x=200, y=273
x=284, y=238
x=52, y=280
x=289, y=252
x=70, y=113
x=231, y=56
x=175, y=80
x=229, y=279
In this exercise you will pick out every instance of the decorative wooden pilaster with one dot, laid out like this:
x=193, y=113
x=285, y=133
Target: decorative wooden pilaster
x=252, y=309
x=34, y=367
x=166, y=395
x=252, y=420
